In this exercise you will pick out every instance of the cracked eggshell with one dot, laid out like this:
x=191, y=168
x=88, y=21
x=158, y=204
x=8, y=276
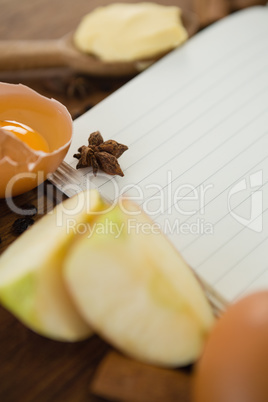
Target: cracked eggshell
x=22, y=168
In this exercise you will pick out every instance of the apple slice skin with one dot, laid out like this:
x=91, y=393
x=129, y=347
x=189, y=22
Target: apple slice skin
x=137, y=292
x=31, y=282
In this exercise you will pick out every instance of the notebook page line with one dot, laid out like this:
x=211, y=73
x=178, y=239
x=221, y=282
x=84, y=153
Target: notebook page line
x=174, y=135
x=253, y=58
x=230, y=138
x=215, y=251
x=225, y=58
x=221, y=193
x=262, y=187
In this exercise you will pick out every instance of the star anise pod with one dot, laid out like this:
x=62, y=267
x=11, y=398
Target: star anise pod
x=101, y=155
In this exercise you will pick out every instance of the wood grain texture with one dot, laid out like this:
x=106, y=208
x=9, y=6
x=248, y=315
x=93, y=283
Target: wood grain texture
x=47, y=19
x=47, y=53
x=33, y=368
x=122, y=379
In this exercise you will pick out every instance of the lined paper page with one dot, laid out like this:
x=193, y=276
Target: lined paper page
x=196, y=124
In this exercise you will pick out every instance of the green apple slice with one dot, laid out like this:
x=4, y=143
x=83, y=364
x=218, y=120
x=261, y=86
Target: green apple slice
x=136, y=291
x=31, y=281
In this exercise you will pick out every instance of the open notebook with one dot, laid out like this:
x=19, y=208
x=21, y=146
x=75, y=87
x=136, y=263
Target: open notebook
x=196, y=124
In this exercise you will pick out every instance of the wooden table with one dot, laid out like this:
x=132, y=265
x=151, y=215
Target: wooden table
x=33, y=368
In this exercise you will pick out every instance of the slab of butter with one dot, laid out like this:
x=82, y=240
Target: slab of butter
x=128, y=32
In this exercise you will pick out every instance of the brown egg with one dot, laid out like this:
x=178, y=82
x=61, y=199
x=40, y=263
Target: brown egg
x=234, y=365
x=21, y=166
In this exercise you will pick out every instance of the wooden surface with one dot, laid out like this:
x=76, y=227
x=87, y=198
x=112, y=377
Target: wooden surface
x=33, y=368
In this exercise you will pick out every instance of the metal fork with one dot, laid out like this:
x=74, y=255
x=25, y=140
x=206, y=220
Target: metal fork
x=67, y=180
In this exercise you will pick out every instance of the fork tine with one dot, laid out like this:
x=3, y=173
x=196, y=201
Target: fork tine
x=66, y=179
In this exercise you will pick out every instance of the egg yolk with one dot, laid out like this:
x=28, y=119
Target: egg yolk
x=26, y=134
